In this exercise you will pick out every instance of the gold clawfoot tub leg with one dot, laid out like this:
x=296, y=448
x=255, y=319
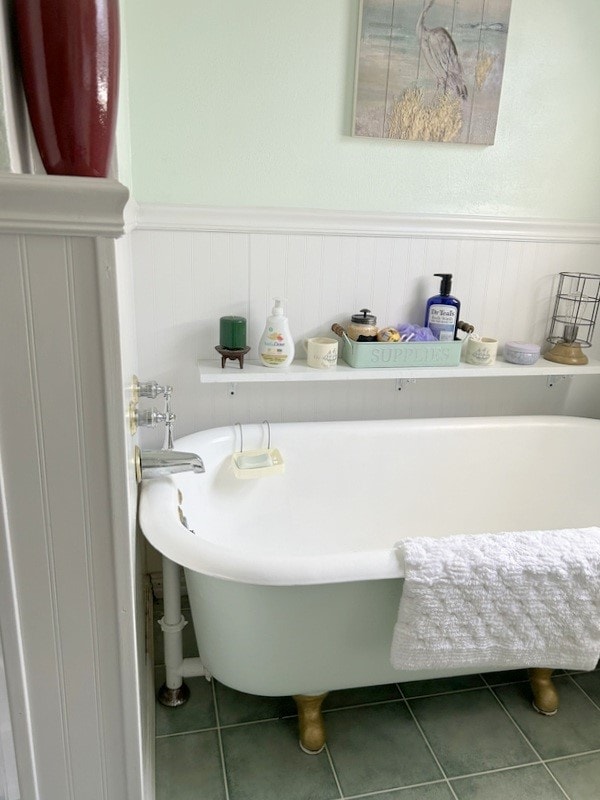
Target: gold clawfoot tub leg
x=545, y=696
x=310, y=722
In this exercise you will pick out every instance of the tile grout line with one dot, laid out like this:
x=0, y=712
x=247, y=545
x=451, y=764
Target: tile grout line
x=333, y=770
x=440, y=694
x=573, y=755
x=426, y=740
x=518, y=727
x=496, y=770
x=359, y=705
x=398, y=789
x=257, y=721
x=220, y=740
x=174, y=735
x=583, y=691
x=486, y=682
x=404, y=698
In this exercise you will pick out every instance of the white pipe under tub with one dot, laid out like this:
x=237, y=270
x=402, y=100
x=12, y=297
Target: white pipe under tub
x=172, y=624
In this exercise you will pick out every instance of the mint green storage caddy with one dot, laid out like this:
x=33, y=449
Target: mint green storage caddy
x=376, y=355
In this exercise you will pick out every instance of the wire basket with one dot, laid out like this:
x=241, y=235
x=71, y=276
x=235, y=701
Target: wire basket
x=574, y=317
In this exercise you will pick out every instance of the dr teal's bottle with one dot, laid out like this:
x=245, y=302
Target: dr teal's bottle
x=276, y=348
x=442, y=310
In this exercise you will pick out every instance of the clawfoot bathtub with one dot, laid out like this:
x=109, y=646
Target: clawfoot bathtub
x=293, y=582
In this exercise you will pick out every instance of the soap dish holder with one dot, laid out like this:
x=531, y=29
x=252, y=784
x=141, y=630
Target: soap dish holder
x=249, y=464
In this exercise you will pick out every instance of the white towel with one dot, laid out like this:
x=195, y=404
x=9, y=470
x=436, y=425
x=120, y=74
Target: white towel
x=500, y=601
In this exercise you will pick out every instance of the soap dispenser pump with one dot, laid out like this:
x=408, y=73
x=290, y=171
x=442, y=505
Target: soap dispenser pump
x=276, y=348
x=442, y=311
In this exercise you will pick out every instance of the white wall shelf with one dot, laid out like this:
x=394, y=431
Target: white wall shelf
x=212, y=372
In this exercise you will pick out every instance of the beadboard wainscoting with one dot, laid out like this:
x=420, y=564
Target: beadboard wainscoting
x=72, y=645
x=194, y=265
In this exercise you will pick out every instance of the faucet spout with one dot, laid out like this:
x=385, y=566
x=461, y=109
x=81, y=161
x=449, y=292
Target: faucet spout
x=157, y=463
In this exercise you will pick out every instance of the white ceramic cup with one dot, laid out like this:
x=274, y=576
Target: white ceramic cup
x=481, y=350
x=321, y=352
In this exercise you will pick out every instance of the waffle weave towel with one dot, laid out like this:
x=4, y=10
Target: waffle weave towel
x=500, y=601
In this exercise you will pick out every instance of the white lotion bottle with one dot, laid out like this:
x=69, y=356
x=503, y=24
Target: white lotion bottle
x=276, y=348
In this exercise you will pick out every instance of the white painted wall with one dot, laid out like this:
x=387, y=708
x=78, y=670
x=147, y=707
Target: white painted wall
x=244, y=103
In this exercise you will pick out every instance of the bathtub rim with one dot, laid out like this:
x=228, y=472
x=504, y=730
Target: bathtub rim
x=166, y=533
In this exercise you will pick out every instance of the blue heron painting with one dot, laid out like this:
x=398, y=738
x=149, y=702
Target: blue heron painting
x=430, y=70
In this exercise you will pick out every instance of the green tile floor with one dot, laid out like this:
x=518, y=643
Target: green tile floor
x=469, y=738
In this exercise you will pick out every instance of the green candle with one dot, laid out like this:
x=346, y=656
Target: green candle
x=232, y=333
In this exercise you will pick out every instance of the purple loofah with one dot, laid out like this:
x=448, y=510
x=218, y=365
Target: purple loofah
x=419, y=334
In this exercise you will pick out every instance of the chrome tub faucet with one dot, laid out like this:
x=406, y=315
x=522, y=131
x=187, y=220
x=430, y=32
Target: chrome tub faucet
x=158, y=463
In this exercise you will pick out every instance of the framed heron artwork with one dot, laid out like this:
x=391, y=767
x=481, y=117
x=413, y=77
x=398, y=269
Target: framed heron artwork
x=430, y=70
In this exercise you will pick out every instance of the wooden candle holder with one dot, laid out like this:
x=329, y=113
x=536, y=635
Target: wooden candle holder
x=234, y=355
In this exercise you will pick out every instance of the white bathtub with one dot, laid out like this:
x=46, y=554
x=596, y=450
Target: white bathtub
x=293, y=581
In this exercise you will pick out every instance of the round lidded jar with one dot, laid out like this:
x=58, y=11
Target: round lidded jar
x=363, y=326
x=523, y=353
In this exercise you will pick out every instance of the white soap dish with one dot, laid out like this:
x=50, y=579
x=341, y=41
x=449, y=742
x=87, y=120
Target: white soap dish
x=257, y=463
x=248, y=464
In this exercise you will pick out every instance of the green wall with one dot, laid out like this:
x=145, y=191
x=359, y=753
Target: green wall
x=249, y=103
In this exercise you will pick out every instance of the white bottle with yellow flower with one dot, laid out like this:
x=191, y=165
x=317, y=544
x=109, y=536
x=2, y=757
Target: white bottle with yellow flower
x=276, y=348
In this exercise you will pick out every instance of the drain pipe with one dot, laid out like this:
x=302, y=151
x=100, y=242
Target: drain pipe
x=174, y=691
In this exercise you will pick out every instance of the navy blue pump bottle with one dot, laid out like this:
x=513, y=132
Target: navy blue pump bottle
x=442, y=310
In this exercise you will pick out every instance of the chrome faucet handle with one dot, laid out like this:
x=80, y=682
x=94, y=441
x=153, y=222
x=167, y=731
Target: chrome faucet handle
x=152, y=389
x=150, y=417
